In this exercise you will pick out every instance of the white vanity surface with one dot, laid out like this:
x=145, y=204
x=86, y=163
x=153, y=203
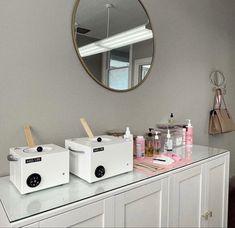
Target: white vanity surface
x=18, y=206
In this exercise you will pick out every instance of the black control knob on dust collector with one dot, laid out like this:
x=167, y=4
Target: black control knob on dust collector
x=34, y=180
x=99, y=171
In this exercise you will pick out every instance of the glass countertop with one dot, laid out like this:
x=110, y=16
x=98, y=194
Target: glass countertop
x=19, y=206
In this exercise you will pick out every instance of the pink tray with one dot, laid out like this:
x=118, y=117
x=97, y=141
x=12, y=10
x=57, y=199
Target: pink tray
x=161, y=168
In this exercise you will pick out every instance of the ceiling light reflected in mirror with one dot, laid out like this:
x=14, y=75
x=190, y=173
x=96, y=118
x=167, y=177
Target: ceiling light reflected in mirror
x=114, y=42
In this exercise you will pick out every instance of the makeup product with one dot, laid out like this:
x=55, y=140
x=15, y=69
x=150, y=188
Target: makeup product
x=141, y=141
x=168, y=146
x=184, y=135
x=189, y=133
x=138, y=151
x=171, y=120
x=128, y=135
x=157, y=143
x=149, y=144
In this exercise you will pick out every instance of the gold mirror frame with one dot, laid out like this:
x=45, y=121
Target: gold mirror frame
x=87, y=69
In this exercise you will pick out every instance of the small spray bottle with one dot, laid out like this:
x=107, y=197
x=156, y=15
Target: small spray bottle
x=169, y=143
x=157, y=143
x=171, y=120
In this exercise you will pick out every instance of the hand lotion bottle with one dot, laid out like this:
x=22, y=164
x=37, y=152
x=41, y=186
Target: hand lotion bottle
x=128, y=136
x=140, y=146
x=189, y=133
x=157, y=143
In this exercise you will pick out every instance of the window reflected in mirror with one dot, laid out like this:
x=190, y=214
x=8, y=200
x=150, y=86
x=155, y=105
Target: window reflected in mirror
x=118, y=69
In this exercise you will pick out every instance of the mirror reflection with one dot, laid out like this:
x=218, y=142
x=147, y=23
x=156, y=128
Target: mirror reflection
x=114, y=41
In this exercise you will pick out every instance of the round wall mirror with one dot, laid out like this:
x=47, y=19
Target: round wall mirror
x=114, y=41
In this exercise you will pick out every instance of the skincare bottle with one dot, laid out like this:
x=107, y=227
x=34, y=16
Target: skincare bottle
x=140, y=146
x=184, y=135
x=189, y=134
x=157, y=143
x=128, y=136
x=139, y=153
x=169, y=142
x=149, y=144
x=171, y=120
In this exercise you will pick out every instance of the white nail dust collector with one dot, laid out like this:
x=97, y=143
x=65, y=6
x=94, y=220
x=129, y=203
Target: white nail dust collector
x=94, y=159
x=37, y=168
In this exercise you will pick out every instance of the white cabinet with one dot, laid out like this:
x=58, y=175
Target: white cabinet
x=195, y=195
x=217, y=192
x=98, y=214
x=199, y=195
x=145, y=206
x=186, y=198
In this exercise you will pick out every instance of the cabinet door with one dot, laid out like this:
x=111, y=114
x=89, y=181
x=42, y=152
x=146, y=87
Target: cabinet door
x=187, y=198
x=145, y=206
x=217, y=192
x=99, y=214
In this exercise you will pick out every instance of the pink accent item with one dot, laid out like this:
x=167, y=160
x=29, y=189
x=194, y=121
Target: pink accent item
x=140, y=140
x=189, y=136
x=174, y=156
x=179, y=162
x=217, y=104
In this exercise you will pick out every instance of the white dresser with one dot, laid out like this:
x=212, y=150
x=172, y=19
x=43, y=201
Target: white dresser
x=190, y=194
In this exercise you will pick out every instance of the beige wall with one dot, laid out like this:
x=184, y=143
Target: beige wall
x=44, y=84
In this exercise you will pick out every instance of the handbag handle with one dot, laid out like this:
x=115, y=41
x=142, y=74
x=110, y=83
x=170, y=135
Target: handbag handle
x=219, y=99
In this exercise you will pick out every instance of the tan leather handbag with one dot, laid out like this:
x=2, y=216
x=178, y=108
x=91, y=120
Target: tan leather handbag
x=220, y=121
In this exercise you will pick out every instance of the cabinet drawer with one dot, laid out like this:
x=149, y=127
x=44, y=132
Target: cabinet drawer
x=34, y=225
x=98, y=214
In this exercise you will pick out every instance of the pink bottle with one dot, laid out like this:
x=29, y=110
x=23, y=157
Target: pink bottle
x=140, y=146
x=189, y=134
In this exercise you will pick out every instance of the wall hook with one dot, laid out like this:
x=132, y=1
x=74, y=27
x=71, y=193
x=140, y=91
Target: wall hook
x=217, y=79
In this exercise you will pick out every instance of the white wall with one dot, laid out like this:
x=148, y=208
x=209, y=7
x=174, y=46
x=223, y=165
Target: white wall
x=44, y=84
